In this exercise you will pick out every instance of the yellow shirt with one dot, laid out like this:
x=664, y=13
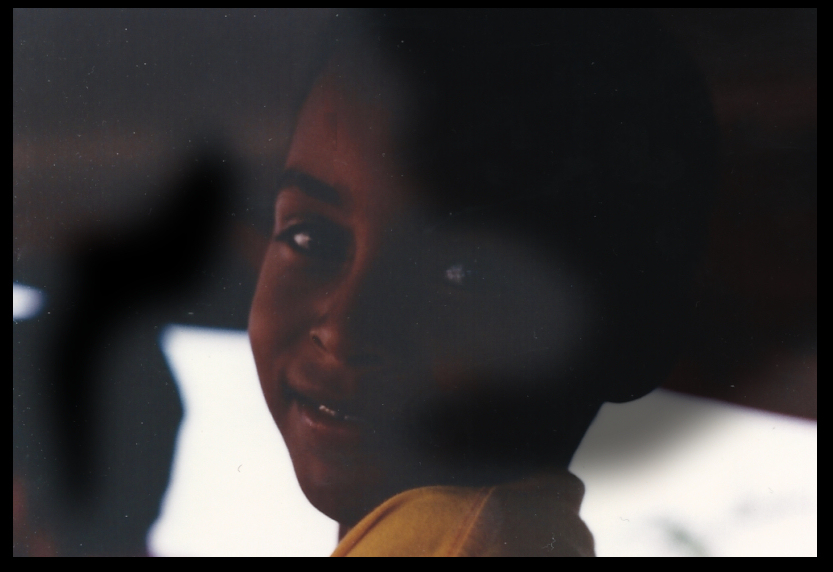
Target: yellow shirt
x=537, y=516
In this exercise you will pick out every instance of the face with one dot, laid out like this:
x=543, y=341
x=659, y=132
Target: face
x=368, y=311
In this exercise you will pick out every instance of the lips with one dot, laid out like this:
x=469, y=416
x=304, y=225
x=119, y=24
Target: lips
x=341, y=407
x=326, y=410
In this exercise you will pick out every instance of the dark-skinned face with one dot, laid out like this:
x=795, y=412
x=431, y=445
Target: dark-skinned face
x=368, y=312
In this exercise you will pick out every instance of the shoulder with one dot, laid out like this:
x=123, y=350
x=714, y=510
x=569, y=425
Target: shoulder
x=537, y=516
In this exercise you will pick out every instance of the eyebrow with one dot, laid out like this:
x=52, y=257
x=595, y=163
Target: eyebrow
x=310, y=186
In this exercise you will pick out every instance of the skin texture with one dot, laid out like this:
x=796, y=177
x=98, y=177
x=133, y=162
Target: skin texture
x=370, y=314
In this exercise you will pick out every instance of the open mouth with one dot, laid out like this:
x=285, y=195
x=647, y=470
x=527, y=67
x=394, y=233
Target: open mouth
x=325, y=412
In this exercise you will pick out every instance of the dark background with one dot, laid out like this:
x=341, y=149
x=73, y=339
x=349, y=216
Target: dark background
x=118, y=118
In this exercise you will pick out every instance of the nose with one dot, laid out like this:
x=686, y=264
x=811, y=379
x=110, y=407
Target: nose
x=336, y=341
x=360, y=318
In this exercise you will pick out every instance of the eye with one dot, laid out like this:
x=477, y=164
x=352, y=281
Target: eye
x=459, y=275
x=320, y=241
x=475, y=275
x=302, y=239
x=470, y=275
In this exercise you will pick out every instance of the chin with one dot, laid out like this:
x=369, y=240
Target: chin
x=344, y=494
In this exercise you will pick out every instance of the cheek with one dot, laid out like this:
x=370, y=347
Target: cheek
x=529, y=331
x=276, y=318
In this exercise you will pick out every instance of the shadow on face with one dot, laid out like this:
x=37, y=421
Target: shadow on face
x=456, y=263
x=371, y=312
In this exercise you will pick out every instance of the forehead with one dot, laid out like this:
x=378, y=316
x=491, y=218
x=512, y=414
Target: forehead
x=345, y=137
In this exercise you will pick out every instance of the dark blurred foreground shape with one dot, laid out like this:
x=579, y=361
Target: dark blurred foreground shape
x=93, y=364
x=109, y=112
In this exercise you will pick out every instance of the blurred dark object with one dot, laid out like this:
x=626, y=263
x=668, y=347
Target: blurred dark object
x=98, y=462
x=127, y=218
x=117, y=279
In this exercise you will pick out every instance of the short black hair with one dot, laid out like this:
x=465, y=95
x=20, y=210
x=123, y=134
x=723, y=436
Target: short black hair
x=590, y=123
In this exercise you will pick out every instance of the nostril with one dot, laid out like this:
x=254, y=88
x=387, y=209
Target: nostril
x=343, y=352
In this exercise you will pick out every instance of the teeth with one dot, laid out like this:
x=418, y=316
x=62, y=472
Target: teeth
x=331, y=412
x=321, y=408
x=336, y=415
